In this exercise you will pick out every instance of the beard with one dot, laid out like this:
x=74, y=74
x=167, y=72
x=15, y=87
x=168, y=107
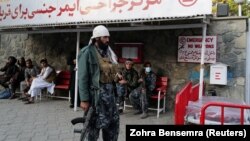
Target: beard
x=102, y=46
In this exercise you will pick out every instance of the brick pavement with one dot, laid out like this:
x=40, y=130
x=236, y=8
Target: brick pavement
x=49, y=120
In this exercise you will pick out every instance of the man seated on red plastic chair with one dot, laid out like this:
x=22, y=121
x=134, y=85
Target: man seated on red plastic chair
x=140, y=96
x=127, y=81
x=43, y=80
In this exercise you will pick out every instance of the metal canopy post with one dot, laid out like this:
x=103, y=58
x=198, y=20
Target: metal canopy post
x=247, y=84
x=76, y=70
x=203, y=49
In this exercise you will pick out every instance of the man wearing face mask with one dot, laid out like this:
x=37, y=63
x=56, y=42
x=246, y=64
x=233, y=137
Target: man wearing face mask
x=97, y=69
x=140, y=96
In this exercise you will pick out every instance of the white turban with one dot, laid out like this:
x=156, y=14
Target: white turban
x=100, y=31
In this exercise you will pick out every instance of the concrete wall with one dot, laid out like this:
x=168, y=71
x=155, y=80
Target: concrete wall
x=232, y=46
x=160, y=48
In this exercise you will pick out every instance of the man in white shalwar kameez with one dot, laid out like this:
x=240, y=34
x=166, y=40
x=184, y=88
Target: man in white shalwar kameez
x=43, y=80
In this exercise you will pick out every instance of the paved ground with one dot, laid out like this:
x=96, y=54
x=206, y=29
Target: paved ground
x=49, y=120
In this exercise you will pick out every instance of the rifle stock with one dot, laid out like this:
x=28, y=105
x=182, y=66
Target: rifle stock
x=77, y=120
x=88, y=116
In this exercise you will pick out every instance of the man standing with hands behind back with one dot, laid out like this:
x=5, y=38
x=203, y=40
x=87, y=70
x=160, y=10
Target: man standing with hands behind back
x=96, y=71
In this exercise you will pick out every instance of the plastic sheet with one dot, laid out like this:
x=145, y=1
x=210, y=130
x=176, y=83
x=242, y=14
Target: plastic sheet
x=213, y=114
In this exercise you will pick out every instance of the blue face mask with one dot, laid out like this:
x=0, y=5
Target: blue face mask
x=148, y=69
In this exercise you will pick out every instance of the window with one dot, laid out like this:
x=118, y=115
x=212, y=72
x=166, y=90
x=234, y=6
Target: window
x=129, y=50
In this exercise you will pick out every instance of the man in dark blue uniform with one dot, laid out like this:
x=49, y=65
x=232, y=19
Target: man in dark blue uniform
x=140, y=96
x=96, y=71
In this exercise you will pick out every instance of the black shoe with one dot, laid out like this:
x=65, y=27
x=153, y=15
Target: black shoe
x=29, y=102
x=137, y=112
x=120, y=111
x=144, y=115
x=71, y=106
x=13, y=96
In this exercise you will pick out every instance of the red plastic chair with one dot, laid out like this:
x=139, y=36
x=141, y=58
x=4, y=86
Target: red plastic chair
x=160, y=95
x=63, y=83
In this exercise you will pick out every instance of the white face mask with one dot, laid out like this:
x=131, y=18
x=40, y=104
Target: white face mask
x=148, y=69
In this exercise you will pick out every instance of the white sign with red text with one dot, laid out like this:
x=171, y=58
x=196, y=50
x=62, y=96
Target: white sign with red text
x=37, y=12
x=189, y=49
x=218, y=74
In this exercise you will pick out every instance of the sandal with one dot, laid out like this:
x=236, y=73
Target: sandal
x=26, y=94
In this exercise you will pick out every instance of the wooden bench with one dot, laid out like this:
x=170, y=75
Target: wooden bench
x=62, y=82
